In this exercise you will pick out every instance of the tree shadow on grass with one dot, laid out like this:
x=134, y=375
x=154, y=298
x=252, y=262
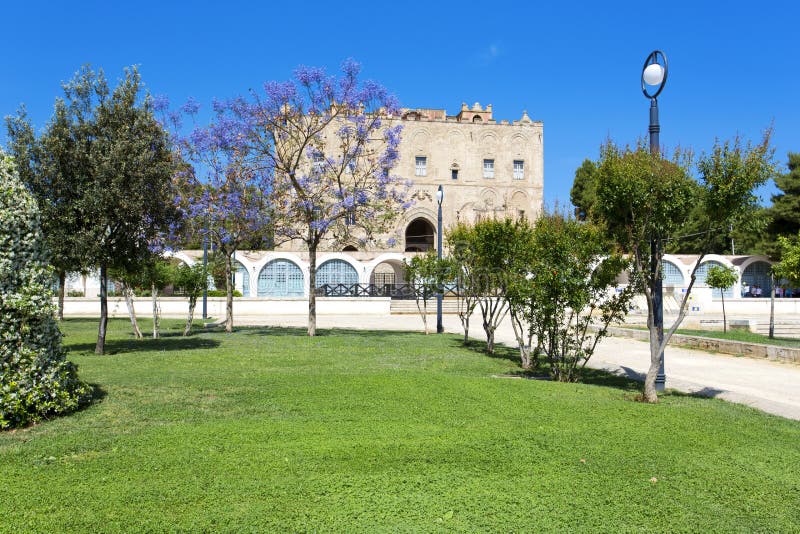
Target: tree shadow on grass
x=501, y=351
x=292, y=331
x=168, y=342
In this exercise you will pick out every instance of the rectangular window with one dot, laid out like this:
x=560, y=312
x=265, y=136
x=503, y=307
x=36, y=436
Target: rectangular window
x=421, y=166
x=519, y=169
x=488, y=168
x=454, y=174
x=350, y=218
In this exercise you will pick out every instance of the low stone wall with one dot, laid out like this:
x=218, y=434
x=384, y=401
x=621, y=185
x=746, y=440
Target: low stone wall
x=724, y=346
x=179, y=306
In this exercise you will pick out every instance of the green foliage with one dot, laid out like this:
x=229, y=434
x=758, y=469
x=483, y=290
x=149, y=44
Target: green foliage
x=784, y=214
x=644, y=199
x=721, y=277
x=36, y=381
x=191, y=279
x=561, y=283
x=789, y=266
x=223, y=293
x=426, y=273
x=383, y=431
x=584, y=189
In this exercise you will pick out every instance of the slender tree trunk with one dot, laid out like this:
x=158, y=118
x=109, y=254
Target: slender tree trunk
x=62, y=279
x=101, y=331
x=312, y=289
x=128, y=292
x=192, y=303
x=490, y=341
x=772, y=307
x=650, y=393
x=228, y=293
x=154, y=296
x=724, y=317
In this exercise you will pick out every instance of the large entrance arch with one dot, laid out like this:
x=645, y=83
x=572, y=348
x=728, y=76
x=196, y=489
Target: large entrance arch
x=419, y=235
x=758, y=273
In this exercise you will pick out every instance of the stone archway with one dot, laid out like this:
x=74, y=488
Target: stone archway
x=420, y=235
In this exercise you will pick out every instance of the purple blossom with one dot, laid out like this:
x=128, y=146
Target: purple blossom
x=191, y=107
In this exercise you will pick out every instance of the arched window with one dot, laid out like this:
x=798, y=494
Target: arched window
x=757, y=273
x=335, y=272
x=671, y=274
x=702, y=272
x=349, y=248
x=242, y=279
x=280, y=278
x=419, y=236
x=477, y=119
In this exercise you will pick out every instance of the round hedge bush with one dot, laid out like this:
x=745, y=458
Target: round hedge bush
x=36, y=380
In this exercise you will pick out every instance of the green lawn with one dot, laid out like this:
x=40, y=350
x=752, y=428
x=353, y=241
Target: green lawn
x=269, y=430
x=735, y=335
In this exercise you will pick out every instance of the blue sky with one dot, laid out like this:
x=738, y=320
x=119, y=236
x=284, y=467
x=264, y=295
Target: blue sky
x=733, y=66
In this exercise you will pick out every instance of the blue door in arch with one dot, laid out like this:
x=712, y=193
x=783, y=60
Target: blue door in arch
x=671, y=274
x=758, y=273
x=280, y=278
x=244, y=276
x=700, y=279
x=335, y=272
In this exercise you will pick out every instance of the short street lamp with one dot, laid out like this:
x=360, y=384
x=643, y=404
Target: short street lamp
x=439, y=198
x=654, y=77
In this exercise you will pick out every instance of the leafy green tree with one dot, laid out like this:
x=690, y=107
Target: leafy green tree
x=460, y=243
x=47, y=167
x=426, y=273
x=562, y=283
x=789, y=266
x=784, y=214
x=192, y=281
x=720, y=277
x=644, y=199
x=584, y=189
x=36, y=380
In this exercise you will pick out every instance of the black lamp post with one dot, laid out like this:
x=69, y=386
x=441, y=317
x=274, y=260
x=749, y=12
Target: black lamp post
x=439, y=198
x=654, y=77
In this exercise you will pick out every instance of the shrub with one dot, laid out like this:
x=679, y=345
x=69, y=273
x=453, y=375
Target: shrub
x=36, y=380
x=222, y=293
x=74, y=293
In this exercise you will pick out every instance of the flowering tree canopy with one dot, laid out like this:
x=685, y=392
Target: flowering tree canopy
x=328, y=152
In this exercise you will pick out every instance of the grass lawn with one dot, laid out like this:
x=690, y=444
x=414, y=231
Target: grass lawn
x=735, y=335
x=269, y=430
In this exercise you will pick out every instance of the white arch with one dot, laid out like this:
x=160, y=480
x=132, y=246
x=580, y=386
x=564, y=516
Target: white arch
x=180, y=255
x=279, y=255
x=389, y=256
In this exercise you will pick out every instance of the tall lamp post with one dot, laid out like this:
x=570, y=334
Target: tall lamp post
x=654, y=77
x=439, y=198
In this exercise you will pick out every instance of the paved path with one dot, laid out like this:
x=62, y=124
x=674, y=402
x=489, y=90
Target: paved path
x=770, y=386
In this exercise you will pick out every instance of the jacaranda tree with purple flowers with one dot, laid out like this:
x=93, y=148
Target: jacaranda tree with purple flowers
x=223, y=194
x=329, y=151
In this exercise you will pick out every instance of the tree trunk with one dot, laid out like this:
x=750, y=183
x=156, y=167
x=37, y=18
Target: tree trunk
x=312, y=289
x=62, y=279
x=192, y=303
x=128, y=292
x=772, y=307
x=724, y=317
x=490, y=341
x=154, y=296
x=100, y=347
x=650, y=393
x=228, y=293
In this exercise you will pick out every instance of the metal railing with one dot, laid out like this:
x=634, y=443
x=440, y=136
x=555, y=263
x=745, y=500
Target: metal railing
x=394, y=291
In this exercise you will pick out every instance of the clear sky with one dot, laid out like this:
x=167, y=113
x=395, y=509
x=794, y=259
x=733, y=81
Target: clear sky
x=733, y=66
